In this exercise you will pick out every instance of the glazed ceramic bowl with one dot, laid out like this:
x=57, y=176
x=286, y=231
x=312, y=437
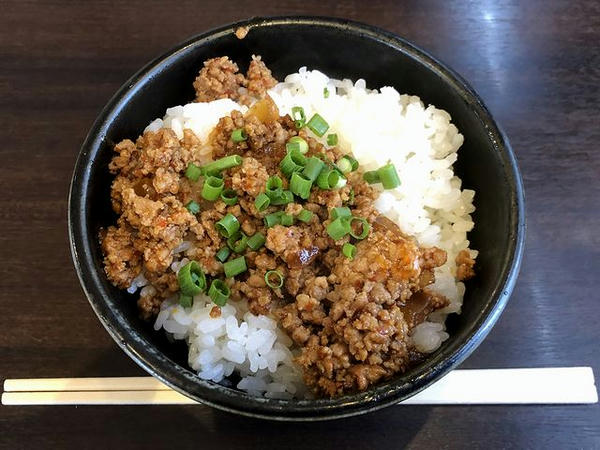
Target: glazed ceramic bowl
x=341, y=49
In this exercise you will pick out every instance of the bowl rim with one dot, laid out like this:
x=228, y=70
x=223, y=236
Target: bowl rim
x=237, y=401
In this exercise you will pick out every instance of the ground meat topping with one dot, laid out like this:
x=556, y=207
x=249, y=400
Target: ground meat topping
x=351, y=318
x=464, y=265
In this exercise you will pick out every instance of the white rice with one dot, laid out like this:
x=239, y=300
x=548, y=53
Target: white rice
x=376, y=126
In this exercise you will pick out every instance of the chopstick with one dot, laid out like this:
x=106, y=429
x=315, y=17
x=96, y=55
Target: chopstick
x=558, y=385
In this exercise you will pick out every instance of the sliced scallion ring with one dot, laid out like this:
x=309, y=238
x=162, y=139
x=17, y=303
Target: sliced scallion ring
x=191, y=279
x=275, y=275
x=364, y=230
x=228, y=226
x=219, y=292
x=235, y=267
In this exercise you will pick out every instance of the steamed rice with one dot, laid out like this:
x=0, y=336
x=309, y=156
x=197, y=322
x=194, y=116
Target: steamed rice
x=376, y=126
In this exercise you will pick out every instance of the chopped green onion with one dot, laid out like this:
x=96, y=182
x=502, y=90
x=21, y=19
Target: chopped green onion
x=222, y=164
x=353, y=162
x=298, y=116
x=273, y=219
x=212, y=188
x=318, y=125
x=298, y=144
x=287, y=220
x=292, y=162
x=283, y=198
x=342, y=211
x=238, y=242
x=278, y=279
x=313, y=168
x=193, y=172
x=344, y=165
x=365, y=227
x=332, y=139
x=186, y=300
x=274, y=184
x=304, y=216
x=228, y=226
x=256, y=241
x=349, y=250
x=340, y=183
x=338, y=228
x=235, y=267
x=219, y=292
x=388, y=176
x=325, y=92
x=223, y=254
x=300, y=185
x=229, y=197
x=262, y=202
x=191, y=279
x=239, y=135
x=328, y=179
x=193, y=207
x=371, y=177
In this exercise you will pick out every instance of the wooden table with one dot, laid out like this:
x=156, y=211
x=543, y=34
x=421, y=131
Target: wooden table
x=535, y=63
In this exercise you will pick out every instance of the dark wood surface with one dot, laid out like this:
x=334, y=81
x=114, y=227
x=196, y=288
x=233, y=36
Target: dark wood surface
x=535, y=63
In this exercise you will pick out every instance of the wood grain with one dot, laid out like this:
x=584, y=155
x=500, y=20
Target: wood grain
x=536, y=64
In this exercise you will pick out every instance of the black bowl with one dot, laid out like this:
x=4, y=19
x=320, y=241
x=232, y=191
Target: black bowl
x=341, y=49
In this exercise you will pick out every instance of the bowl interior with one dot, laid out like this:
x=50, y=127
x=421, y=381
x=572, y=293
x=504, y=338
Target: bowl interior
x=341, y=50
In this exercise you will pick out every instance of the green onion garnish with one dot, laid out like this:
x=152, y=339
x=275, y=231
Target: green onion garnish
x=239, y=135
x=186, y=300
x=342, y=211
x=353, y=162
x=283, y=198
x=388, y=176
x=344, y=165
x=338, y=228
x=328, y=179
x=332, y=139
x=304, y=216
x=278, y=279
x=292, y=162
x=223, y=254
x=341, y=182
x=193, y=172
x=262, y=202
x=191, y=278
x=349, y=250
x=222, y=164
x=273, y=219
x=238, y=242
x=313, y=168
x=298, y=144
x=229, y=197
x=287, y=220
x=371, y=177
x=256, y=241
x=274, y=186
x=364, y=228
x=235, y=267
x=318, y=125
x=193, y=207
x=325, y=92
x=298, y=116
x=219, y=292
x=212, y=188
x=300, y=185
x=228, y=226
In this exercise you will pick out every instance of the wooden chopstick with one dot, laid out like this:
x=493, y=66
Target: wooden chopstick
x=558, y=385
